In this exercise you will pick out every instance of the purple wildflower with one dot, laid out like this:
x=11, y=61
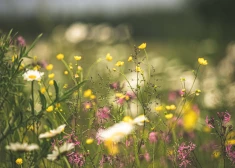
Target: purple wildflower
x=230, y=150
x=105, y=159
x=21, y=41
x=210, y=122
x=76, y=159
x=224, y=116
x=103, y=114
x=183, y=154
x=153, y=137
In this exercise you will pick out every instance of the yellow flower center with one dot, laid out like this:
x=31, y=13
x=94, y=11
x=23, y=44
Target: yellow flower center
x=32, y=76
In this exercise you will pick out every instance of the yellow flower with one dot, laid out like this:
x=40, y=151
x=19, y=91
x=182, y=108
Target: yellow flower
x=190, y=119
x=50, y=109
x=52, y=75
x=21, y=66
x=159, y=108
x=35, y=58
x=77, y=58
x=197, y=92
x=37, y=67
x=65, y=86
x=49, y=67
x=43, y=90
x=79, y=68
x=137, y=69
x=169, y=116
x=206, y=129
x=112, y=147
x=202, y=61
x=87, y=93
x=70, y=66
x=66, y=72
x=92, y=96
x=13, y=57
x=60, y=56
x=129, y=59
x=127, y=119
x=89, y=141
x=230, y=142
x=119, y=63
x=114, y=69
x=109, y=57
x=19, y=161
x=216, y=154
x=142, y=46
x=51, y=82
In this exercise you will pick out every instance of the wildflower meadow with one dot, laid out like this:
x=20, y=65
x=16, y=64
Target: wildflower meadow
x=130, y=110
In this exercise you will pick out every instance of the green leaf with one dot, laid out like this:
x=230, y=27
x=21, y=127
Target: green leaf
x=70, y=91
x=32, y=45
x=56, y=91
x=42, y=100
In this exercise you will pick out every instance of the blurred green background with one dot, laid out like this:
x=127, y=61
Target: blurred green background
x=177, y=28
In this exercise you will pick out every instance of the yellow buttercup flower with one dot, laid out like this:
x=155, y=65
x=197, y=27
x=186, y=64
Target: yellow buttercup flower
x=65, y=86
x=127, y=119
x=52, y=75
x=197, y=92
x=230, y=142
x=119, y=63
x=19, y=161
x=92, y=96
x=202, y=61
x=77, y=58
x=112, y=147
x=89, y=141
x=66, y=72
x=49, y=67
x=190, y=118
x=130, y=59
x=137, y=69
x=50, y=109
x=13, y=58
x=169, y=116
x=60, y=56
x=109, y=57
x=51, y=82
x=36, y=68
x=87, y=93
x=21, y=66
x=70, y=66
x=43, y=90
x=159, y=108
x=142, y=46
x=114, y=69
x=216, y=154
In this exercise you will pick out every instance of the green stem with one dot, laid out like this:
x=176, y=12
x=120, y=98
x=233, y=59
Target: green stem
x=66, y=161
x=70, y=72
x=32, y=93
x=136, y=152
x=147, y=64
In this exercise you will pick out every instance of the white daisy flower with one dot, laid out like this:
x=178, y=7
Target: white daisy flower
x=59, y=151
x=116, y=132
x=120, y=130
x=31, y=75
x=140, y=120
x=53, y=132
x=22, y=147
